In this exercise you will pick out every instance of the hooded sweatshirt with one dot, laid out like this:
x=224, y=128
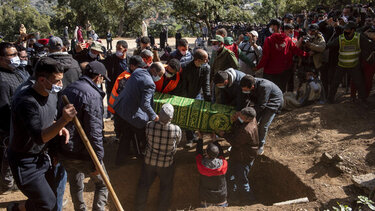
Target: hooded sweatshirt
x=278, y=52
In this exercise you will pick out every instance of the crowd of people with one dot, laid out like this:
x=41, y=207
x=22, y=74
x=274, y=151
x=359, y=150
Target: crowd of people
x=297, y=61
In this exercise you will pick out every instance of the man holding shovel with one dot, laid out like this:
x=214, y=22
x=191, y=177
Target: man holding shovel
x=87, y=97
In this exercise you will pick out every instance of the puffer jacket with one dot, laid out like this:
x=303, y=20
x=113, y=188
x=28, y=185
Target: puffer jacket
x=87, y=99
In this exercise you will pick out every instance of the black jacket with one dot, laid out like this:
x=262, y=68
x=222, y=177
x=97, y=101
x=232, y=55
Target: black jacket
x=266, y=95
x=72, y=71
x=114, y=69
x=193, y=80
x=232, y=94
x=87, y=99
x=9, y=81
x=212, y=182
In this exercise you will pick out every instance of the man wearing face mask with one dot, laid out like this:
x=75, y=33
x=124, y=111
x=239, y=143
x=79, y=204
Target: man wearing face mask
x=317, y=45
x=228, y=82
x=224, y=59
x=87, y=97
x=90, y=54
x=278, y=52
x=195, y=83
x=135, y=62
x=134, y=103
x=23, y=69
x=182, y=52
x=268, y=101
x=33, y=126
x=252, y=51
x=245, y=142
x=170, y=79
x=352, y=47
x=116, y=64
x=72, y=71
x=10, y=79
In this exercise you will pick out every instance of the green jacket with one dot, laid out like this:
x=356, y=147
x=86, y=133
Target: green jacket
x=222, y=61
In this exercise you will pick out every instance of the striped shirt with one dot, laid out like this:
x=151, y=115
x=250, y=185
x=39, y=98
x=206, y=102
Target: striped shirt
x=162, y=141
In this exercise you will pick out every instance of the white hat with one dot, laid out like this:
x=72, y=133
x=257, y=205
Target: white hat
x=254, y=33
x=166, y=113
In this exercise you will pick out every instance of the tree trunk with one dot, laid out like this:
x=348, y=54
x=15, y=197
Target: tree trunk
x=120, y=30
x=208, y=28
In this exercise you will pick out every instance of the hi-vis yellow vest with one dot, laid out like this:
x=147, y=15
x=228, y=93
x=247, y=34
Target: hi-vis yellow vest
x=350, y=51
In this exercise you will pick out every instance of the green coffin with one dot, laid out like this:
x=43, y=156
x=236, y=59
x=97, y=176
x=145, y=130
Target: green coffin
x=196, y=114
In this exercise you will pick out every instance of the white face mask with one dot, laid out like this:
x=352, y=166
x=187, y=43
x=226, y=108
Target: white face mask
x=221, y=87
x=14, y=62
x=119, y=54
x=23, y=63
x=168, y=75
x=271, y=30
x=55, y=88
x=94, y=56
x=246, y=92
x=240, y=119
x=156, y=78
x=99, y=85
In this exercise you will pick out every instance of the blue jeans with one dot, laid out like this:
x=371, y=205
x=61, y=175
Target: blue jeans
x=148, y=175
x=265, y=119
x=77, y=169
x=60, y=182
x=237, y=176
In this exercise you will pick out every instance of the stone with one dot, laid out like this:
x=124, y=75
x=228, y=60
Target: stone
x=338, y=158
x=365, y=182
x=326, y=158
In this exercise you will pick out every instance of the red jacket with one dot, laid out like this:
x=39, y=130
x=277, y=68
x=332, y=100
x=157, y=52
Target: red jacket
x=278, y=52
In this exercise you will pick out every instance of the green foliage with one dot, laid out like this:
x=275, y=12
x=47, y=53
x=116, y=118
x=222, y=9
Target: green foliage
x=16, y=12
x=208, y=11
x=362, y=200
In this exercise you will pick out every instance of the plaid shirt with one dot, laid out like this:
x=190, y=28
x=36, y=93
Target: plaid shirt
x=162, y=143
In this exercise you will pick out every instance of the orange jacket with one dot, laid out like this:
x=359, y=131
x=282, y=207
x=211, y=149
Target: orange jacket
x=172, y=84
x=123, y=76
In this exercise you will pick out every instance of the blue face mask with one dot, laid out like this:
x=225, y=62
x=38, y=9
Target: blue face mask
x=240, y=119
x=99, y=86
x=55, y=88
x=156, y=78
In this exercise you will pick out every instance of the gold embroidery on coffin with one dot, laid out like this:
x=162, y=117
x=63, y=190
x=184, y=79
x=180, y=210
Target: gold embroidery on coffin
x=196, y=114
